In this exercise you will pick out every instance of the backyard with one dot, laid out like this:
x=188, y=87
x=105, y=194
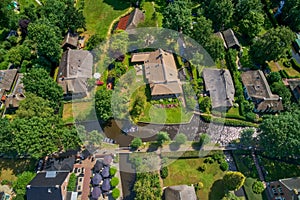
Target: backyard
x=289, y=70
x=185, y=171
x=78, y=110
x=99, y=14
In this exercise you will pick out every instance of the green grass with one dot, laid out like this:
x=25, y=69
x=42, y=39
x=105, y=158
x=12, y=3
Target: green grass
x=78, y=110
x=279, y=170
x=289, y=70
x=248, y=189
x=99, y=14
x=184, y=171
x=154, y=114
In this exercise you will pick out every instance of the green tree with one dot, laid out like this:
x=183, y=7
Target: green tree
x=273, y=45
x=8, y=16
x=38, y=82
x=45, y=36
x=215, y=48
x=244, y=7
x=180, y=138
x=280, y=89
x=205, y=104
x=112, y=171
x=204, y=139
x=233, y=180
x=291, y=14
x=274, y=77
x=136, y=143
x=178, y=16
x=5, y=136
x=162, y=137
x=279, y=136
x=72, y=183
x=103, y=104
x=115, y=193
x=247, y=136
x=258, y=187
x=17, y=54
x=220, y=12
x=114, y=181
x=252, y=23
x=202, y=30
x=147, y=186
x=94, y=42
x=23, y=180
x=164, y=172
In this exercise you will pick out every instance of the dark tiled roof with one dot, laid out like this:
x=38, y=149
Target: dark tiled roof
x=40, y=179
x=71, y=40
x=220, y=86
x=60, y=164
x=180, y=192
x=230, y=38
x=291, y=183
x=7, y=78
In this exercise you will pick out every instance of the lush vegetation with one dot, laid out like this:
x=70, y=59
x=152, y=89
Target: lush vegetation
x=147, y=186
x=114, y=181
x=115, y=193
x=72, y=183
x=23, y=180
x=234, y=180
x=112, y=171
x=136, y=143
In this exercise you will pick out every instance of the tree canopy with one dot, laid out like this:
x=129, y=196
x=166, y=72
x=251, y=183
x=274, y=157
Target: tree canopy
x=233, y=180
x=103, y=104
x=291, y=14
x=279, y=136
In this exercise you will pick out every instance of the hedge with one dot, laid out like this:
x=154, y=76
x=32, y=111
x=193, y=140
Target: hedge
x=228, y=122
x=295, y=65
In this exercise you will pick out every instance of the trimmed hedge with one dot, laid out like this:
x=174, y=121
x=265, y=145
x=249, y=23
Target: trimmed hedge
x=228, y=122
x=114, y=181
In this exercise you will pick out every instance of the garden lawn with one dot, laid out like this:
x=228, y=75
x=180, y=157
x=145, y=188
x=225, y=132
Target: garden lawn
x=289, y=70
x=245, y=164
x=184, y=171
x=99, y=14
x=78, y=110
x=151, y=19
x=154, y=114
x=249, y=192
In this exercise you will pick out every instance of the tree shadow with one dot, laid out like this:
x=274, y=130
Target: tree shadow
x=152, y=147
x=196, y=146
x=118, y=5
x=174, y=146
x=217, y=190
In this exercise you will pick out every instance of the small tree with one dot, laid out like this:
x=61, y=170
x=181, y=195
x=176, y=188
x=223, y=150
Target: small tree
x=224, y=166
x=234, y=180
x=112, y=171
x=115, y=193
x=162, y=137
x=204, y=139
x=136, y=143
x=114, y=181
x=274, y=77
x=180, y=138
x=72, y=182
x=164, y=172
x=258, y=187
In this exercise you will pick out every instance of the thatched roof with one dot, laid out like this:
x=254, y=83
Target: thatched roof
x=180, y=192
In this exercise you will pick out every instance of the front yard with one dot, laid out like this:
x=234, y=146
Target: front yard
x=185, y=171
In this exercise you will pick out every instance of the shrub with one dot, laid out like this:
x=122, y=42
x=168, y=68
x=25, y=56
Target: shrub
x=202, y=168
x=114, y=182
x=162, y=137
x=4, y=182
x=224, y=166
x=258, y=187
x=72, y=182
x=136, y=143
x=180, y=138
x=233, y=180
x=218, y=157
x=209, y=160
x=198, y=186
x=164, y=172
x=115, y=193
x=112, y=171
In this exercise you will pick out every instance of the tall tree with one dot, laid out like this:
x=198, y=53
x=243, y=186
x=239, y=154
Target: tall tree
x=215, y=48
x=252, y=23
x=5, y=136
x=291, y=14
x=47, y=38
x=103, y=104
x=279, y=136
x=243, y=7
x=202, y=30
x=178, y=16
x=280, y=89
x=8, y=17
x=273, y=45
x=220, y=12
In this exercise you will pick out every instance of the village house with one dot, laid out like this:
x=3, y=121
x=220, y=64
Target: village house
x=294, y=85
x=219, y=85
x=285, y=189
x=229, y=39
x=74, y=71
x=48, y=185
x=130, y=21
x=257, y=89
x=70, y=41
x=180, y=192
x=161, y=73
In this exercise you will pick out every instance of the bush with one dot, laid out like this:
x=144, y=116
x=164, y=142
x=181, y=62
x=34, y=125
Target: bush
x=202, y=168
x=258, y=187
x=114, y=182
x=72, y=182
x=198, y=186
x=136, y=143
x=162, y=137
x=180, y=138
x=115, y=193
x=218, y=157
x=164, y=172
x=209, y=160
x=224, y=166
x=112, y=171
x=5, y=182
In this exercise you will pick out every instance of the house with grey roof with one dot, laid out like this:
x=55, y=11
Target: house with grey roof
x=51, y=185
x=130, y=21
x=219, y=85
x=7, y=79
x=161, y=73
x=75, y=69
x=229, y=39
x=288, y=189
x=257, y=89
x=70, y=41
x=180, y=192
